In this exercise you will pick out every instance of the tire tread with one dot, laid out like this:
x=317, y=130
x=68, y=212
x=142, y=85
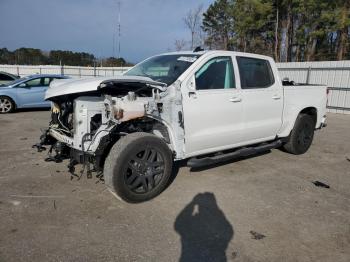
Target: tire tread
x=115, y=159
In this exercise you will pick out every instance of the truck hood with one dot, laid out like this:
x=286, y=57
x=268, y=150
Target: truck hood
x=73, y=86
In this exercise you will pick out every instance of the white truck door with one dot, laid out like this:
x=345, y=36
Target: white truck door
x=262, y=99
x=212, y=107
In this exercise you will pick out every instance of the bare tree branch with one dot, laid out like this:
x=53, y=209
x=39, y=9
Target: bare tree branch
x=193, y=20
x=179, y=44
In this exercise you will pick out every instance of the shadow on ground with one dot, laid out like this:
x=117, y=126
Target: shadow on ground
x=204, y=230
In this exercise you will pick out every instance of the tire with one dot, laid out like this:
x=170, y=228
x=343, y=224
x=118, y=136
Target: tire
x=6, y=105
x=300, y=139
x=138, y=167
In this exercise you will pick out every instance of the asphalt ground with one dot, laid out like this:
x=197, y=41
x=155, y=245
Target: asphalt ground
x=262, y=208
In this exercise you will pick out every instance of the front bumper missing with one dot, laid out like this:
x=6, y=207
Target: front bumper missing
x=75, y=156
x=62, y=138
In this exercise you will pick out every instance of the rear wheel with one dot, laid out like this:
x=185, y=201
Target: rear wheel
x=6, y=105
x=138, y=167
x=301, y=136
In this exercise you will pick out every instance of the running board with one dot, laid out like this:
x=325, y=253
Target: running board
x=247, y=151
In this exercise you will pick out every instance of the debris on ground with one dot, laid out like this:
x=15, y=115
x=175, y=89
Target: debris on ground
x=348, y=158
x=320, y=184
x=39, y=147
x=256, y=235
x=234, y=255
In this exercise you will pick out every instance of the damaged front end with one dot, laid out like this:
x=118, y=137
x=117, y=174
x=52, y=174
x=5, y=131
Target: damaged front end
x=85, y=124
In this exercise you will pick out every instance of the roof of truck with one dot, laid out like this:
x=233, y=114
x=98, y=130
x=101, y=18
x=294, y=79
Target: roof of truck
x=218, y=52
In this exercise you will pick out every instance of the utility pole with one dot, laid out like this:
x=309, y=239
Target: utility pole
x=113, y=54
x=119, y=29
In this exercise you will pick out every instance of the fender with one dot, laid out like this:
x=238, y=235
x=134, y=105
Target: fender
x=11, y=93
x=288, y=125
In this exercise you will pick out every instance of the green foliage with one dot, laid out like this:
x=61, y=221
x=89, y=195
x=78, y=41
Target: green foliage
x=112, y=61
x=6, y=56
x=218, y=23
x=291, y=30
x=31, y=56
x=253, y=32
x=70, y=58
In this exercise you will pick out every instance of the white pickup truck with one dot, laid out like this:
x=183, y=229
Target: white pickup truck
x=205, y=106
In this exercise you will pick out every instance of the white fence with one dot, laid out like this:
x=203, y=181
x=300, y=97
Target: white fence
x=336, y=75
x=73, y=71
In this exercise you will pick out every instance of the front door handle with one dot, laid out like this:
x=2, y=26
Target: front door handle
x=235, y=99
x=276, y=97
x=192, y=95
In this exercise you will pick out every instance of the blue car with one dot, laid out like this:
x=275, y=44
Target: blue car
x=26, y=92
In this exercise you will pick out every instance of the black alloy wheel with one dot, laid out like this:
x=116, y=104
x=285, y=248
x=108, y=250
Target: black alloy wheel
x=144, y=171
x=138, y=167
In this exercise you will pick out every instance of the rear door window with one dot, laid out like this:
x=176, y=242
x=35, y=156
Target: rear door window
x=217, y=73
x=255, y=73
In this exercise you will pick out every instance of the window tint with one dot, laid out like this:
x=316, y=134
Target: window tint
x=33, y=82
x=217, y=73
x=47, y=81
x=255, y=73
x=4, y=77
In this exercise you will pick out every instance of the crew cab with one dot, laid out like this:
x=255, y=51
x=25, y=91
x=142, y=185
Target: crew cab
x=205, y=106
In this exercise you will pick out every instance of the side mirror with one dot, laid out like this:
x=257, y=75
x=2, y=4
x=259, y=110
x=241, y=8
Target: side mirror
x=22, y=85
x=191, y=83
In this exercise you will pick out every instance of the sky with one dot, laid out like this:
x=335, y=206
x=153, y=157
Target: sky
x=148, y=27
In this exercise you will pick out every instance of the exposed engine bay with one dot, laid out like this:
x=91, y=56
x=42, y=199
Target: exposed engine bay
x=85, y=125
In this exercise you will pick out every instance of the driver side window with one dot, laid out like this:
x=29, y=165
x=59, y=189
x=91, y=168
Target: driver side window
x=217, y=73
x=33, y=83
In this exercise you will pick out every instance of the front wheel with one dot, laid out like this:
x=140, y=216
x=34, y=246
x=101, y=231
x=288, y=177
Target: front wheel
x=6, y=105
x=138, y=167
x=301, y=137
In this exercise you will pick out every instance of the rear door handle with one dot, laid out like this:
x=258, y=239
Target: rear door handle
x=235, y=99
x=276, y=97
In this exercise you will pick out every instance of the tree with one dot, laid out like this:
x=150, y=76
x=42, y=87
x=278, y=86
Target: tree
x=218, y=22
x=112, y=61
x=71, y=58
x=6, y=56
x=179, y=44
x=276, y=31
x=29, y=56
x=193, y=20
x=289, y=30
x=32, y=56
x=343, y=25
x=253, y=32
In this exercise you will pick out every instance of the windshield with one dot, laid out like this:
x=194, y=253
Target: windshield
x=16, y=81
x=163, y=68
